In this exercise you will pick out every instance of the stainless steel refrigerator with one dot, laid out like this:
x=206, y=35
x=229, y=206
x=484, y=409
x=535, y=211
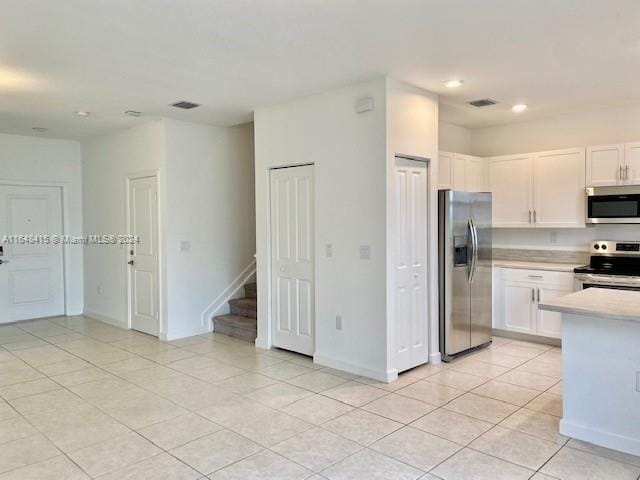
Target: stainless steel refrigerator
x=464, y=239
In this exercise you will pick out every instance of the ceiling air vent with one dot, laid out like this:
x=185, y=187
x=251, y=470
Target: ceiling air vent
x=483, y=102
x=183, y=104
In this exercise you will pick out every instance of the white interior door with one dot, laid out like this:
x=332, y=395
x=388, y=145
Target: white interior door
x=31, y=273
x=410, y=253
x=144, y=291
x=292, y=259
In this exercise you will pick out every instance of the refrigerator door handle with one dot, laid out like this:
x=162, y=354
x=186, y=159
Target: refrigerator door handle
x=474, y=249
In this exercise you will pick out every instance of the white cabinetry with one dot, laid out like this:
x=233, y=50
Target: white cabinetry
x=617, y=164
x=544, y=189
x=461, y=172
x=518, y=293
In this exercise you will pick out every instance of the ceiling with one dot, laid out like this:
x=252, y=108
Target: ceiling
x=233, y=56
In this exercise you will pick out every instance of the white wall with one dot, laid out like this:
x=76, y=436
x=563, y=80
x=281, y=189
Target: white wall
x=206, y=198
x=454, y=138
x=348, y=151
x=42, y=161
x=106, y=161
x=210, y=204
x=602, y=126
x=412, y=129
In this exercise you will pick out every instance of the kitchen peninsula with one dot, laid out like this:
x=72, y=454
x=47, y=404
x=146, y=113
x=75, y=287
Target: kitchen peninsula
x=601, y=366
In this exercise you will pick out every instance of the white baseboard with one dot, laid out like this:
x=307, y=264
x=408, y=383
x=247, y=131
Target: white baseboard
x=598, y=437
x=435, y=358
x=227, y=294
x=261, y=342
x=190, y=332
x=328, y=361
x=105, y=319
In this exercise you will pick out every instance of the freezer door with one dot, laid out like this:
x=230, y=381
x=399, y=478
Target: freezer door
x=455, y=260
x=481, y=294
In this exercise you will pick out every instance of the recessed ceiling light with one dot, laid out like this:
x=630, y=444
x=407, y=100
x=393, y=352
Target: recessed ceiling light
x=39, y=129
x=519, y=107
x=453, y=83
x=133, y=113
x=82, y=113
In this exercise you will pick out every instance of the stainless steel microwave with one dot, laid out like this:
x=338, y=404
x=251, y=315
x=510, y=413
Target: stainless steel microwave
x=619, y=204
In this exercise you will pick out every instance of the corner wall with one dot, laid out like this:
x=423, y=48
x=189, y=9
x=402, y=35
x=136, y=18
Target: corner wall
x=40, y=160
x=348, y=151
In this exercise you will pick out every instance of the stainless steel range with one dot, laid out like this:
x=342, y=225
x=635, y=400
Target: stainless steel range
x=613, y=265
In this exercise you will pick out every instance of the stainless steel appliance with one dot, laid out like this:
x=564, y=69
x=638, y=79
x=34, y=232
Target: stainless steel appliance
x=464, y=234
x=613, y=204
x=613, y=265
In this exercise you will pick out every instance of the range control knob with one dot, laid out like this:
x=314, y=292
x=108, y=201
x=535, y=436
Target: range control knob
x=596, y=247
x=603, y=247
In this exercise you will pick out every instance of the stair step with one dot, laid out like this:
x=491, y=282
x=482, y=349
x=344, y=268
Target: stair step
x=247, y=307
x=251, y=290
x=236, y=326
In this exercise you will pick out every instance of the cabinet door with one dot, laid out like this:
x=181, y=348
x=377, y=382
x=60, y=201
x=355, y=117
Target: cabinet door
x=475, y=174
x=445, y=170
x=632, y=164
x=549, y=323
x=559, y=182
x=511, y=179
x=460, y=172
x=603, y=165
x=519, y=312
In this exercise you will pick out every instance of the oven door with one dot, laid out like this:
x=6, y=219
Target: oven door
x=614, y=282
x=613, y=204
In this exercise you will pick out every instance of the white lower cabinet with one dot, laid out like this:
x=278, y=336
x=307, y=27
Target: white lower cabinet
x=518, y=293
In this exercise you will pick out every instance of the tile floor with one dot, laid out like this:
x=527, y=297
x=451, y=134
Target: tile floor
x=81, y=399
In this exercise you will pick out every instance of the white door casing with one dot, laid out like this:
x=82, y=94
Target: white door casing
x=144, y=289
x=292, y=259
x=32, y=274
x=410, y=263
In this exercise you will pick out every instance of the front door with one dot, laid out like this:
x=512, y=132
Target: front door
x=31, y=272
x=143, y=256
x=292, y=259
x=410, y=263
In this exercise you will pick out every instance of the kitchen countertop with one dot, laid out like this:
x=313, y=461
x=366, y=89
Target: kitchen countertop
x=530, y=265
x=598, y=302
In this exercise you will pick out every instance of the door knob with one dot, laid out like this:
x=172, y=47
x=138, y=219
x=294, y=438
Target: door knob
x=3, y=261
x=130, y=262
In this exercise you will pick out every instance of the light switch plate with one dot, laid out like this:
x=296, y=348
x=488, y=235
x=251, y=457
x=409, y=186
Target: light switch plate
x=365, y=252
x=338, y=322
x=329, y=250
x=185, y=246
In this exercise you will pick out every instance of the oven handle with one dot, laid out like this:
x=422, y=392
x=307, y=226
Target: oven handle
x=607, y=280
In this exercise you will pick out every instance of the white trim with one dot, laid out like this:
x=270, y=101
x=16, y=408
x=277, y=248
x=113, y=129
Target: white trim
x=66, y=228
x=192, y=332
x=160, y=314
x=105, y=318
x=227, y=294
x=600, y=438
x=435, y=358
x=328, y=361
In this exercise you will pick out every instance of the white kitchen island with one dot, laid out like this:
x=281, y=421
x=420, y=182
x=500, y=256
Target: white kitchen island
x=601, y=367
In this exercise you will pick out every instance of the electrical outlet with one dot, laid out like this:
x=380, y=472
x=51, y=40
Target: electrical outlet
x=99, y=289
x=329, y=250
x=185, y=246
x=365, y=252
x=338, y=322
x=553, y=237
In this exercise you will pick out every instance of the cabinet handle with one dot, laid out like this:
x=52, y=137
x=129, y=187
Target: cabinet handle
x=535, y=216
x=535, y=276
x=529, y=216
x=538, y=290
x=620, y=172
x=533, y=294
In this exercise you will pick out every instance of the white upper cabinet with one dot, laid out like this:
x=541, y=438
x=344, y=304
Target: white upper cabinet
x=605, y=165
x=445, y=170
x=511, y=183
x=559, y=182
x=461, y=172
x=476, y=174
x=632, y=163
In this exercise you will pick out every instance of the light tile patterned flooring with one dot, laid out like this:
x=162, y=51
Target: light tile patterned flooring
x=80, y=399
